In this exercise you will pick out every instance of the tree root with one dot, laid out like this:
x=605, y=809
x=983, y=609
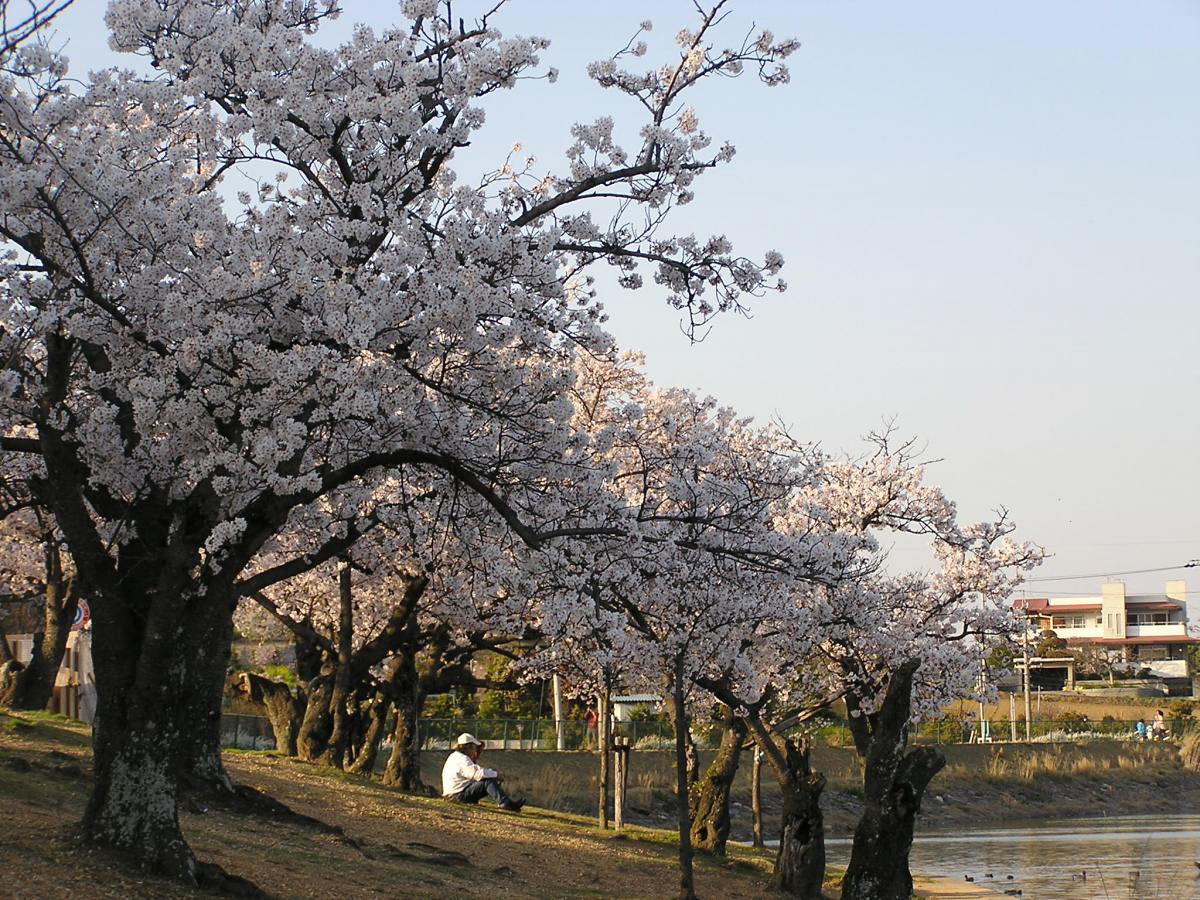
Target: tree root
x=212, y=879
x=245, y=800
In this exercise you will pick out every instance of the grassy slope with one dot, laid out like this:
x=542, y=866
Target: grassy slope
x=408, y=847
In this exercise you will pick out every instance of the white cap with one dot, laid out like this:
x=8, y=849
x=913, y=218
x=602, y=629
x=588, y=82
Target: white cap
x=468, y=738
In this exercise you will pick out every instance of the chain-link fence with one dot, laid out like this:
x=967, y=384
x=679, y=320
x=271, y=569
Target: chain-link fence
x=247, y=732
x=545, y=734
x=254, y=732
x=969, y=730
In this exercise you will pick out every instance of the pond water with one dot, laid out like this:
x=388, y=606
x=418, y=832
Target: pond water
x=1124, y=858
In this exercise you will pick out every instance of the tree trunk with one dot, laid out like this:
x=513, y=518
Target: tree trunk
x=200, y=767
x=11, y=682
x=710, y=792
x=756, y=826
x=894, y=782
x=62, y=600
x=687, y=881
x=152, y=655
x=602, y=733
x=339, y=697
x=364, y=761
x=316, y=724
x=283, y=709
x=403, y=768
x=800, y=862
x=133, y=806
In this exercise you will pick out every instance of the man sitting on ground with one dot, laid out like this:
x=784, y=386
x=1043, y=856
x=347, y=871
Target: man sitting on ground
x=464, y=780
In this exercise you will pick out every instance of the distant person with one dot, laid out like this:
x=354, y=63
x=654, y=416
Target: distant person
x=1140, y=729
x=590, y=719
x=1159, y=728
x=465, y=781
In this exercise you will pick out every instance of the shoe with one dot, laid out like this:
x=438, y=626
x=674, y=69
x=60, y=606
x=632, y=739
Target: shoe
x=513, y=805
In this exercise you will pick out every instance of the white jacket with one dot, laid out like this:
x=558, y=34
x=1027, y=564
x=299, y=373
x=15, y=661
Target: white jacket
x=459, y=771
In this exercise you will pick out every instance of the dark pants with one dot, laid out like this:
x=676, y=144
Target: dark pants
x=475, y=791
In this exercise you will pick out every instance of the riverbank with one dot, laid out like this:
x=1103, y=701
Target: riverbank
x=982, y=784
x=1008, y=784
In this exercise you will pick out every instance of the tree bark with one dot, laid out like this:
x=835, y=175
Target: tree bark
x=403, y=768
x=368, y=753
x=339, y=696
x=756, y=826
x=10, y=682
x=709, y=793
x=602, y=733
x=687, y=881
x=201, y=768
x=133, y=806
x=152, y=654
x=894, y=782
x=800, y=862
x=283, y=709
x=316, y=724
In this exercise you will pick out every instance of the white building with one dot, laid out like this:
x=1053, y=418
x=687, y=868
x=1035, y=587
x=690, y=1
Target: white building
x=1145, y=631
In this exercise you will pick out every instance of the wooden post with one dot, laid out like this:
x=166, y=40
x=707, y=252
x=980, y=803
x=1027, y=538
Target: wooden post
x=620, y=780
x=756, y=796
x=602, y=750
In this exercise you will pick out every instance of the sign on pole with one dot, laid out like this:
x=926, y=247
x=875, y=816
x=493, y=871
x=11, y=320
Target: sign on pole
x=83, y=615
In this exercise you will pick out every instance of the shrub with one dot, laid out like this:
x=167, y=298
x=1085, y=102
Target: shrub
x=1071, y=722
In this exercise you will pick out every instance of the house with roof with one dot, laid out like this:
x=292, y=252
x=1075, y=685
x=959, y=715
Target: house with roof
x=1142, y=631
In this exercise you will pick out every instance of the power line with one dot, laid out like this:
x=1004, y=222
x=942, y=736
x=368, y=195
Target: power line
x=1190, y=564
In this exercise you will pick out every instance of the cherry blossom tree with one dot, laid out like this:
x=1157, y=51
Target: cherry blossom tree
x=909, y=643
x=688, y=585
x=916, y=645
x=397, y=616
x=191, y=371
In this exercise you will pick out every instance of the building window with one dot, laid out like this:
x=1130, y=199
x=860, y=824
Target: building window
x=1158, y=618
x=1068, y=622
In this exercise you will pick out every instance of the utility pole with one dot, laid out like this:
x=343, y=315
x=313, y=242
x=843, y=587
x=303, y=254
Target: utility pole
x=1025, y=654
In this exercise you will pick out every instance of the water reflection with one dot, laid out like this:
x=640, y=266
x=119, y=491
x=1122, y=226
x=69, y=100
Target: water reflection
x=1119, y=858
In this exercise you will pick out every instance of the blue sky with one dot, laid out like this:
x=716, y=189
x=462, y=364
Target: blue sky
x=991, y=220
